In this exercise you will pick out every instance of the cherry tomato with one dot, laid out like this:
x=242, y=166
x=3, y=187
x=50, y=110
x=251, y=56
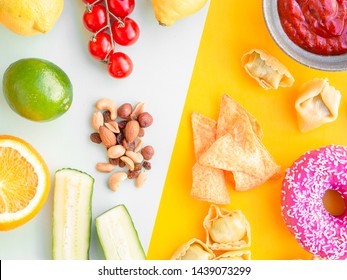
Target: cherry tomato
x=120, y=65
x=121, y=8
x=100, y=45
x=95, y=19
x=125, y=34
x=91, y=1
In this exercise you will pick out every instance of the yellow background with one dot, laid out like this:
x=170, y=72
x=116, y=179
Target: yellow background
x=233, y=28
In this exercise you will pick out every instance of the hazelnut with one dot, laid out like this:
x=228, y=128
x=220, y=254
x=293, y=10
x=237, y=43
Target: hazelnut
x=145, y=119
x=147, y=152
x=124, y=110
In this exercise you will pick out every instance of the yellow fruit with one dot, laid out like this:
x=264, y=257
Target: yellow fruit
x=37, y=89
x=30, y=17
x=168, y=12
x=24, y=182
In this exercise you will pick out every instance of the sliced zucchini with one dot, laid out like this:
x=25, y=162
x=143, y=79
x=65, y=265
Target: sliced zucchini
x=72, y=214
x=118, y=236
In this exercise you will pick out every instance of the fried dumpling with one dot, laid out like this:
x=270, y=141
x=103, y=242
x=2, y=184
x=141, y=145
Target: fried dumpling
x=267, y=70
x=226, y=230
x=318, y=103
x=194, y=249
x=235, y=255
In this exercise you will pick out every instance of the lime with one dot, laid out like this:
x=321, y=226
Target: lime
x=37, y=89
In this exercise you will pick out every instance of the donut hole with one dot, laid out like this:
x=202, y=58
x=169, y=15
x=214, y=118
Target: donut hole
x=334, y=202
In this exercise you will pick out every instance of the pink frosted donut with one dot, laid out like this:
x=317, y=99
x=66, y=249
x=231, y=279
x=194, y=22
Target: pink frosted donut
x=304, y=185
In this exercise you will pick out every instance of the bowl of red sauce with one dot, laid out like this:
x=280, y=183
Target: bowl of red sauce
x=312, y=32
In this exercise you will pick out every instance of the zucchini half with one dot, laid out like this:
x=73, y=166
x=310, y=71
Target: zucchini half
x=72, y=214
x=118, y=236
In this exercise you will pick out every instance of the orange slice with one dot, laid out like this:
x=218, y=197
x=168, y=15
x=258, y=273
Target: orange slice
x=24, y=182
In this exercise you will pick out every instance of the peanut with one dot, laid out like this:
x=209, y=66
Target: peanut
x=104, y=167
x=97, y=120
x=141, y=179
x=139, y=107
x=128, y=161
x=113, y=126
x=135, y=157
x=116, y=151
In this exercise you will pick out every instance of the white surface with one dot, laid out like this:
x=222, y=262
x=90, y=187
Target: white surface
x=163, y=61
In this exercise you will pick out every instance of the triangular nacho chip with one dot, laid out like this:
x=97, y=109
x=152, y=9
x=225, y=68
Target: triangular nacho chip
x=245, y=182
x=248, y=157
x=204, y=133
x=233, y=117
x=209, y=185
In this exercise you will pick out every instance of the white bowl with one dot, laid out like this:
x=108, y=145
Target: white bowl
x=320, y=62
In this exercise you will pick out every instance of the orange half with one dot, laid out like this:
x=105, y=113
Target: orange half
x=24, y=182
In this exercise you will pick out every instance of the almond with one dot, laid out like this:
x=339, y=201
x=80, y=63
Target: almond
x=131, y=130
x=107, y=137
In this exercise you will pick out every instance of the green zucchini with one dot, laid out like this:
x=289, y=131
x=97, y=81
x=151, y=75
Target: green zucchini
x=118, y=236
x=72, y=214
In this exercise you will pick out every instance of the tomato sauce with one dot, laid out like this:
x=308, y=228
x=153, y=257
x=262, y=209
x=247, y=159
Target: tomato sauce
x=318, y=26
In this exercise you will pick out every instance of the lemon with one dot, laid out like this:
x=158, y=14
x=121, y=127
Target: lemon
x=30, y=17
x=24, y=182
x=37, y=89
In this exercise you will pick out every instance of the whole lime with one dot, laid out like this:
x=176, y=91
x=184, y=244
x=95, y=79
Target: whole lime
x=37, y=89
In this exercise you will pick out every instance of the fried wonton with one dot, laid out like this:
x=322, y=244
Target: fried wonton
x=318, y=103
x=235, y=255
x=208, y=182
x=267, y=70
x=194, y=249
x=226, y=230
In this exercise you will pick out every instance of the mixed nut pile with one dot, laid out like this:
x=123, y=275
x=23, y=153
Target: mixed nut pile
x=121, y=130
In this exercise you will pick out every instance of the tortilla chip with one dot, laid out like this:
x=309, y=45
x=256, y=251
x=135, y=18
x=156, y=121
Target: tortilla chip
x=247, y=156
x=204, y=133
x=209, y=184
x=233, y=117
x=245, y=182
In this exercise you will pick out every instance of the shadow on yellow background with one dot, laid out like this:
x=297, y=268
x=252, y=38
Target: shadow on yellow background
x=233, y=28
